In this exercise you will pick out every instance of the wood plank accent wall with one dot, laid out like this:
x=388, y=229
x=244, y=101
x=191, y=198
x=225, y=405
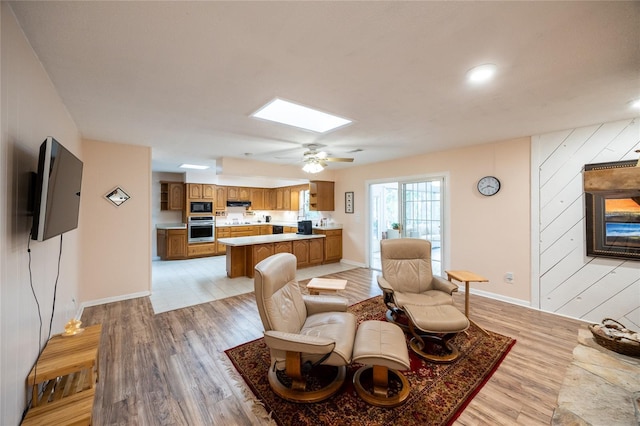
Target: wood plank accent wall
x=569, y=282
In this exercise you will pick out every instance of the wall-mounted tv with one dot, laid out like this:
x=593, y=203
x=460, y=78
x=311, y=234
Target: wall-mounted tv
x=57, y=191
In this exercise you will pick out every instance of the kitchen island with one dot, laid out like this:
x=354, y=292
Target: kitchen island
x=244, y=253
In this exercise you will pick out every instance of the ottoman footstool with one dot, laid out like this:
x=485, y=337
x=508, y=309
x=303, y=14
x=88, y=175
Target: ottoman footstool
x=436, y=324
x=382, y=347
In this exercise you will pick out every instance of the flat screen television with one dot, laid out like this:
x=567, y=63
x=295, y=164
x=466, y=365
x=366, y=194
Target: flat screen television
x=57, y=191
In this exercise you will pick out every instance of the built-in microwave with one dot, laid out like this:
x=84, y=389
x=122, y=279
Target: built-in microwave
x=201, y=207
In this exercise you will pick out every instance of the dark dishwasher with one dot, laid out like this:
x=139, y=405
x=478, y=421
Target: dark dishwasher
x=277, y=229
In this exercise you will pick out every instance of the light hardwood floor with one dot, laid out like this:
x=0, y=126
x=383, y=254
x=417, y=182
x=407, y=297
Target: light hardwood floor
x=170, y=368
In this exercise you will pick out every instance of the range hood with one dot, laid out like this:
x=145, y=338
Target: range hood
x=238, y=203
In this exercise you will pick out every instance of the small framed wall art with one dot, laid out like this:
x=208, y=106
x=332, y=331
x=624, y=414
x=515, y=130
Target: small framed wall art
x=348, y=202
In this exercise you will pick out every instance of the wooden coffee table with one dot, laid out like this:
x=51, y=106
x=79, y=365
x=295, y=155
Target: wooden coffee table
x=330, y=285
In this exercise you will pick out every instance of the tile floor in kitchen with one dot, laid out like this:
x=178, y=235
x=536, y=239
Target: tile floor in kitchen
x=180, y=283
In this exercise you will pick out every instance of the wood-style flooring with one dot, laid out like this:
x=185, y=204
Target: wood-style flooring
x=170, y=368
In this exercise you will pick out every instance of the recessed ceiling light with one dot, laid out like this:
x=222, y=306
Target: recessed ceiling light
x=481, y=73
x=286, y=112
x=193, y=166
x=635, y=104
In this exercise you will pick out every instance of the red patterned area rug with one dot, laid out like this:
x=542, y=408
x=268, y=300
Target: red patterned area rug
x=439, y=392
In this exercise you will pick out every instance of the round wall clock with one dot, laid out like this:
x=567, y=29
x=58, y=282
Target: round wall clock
x=489, y=185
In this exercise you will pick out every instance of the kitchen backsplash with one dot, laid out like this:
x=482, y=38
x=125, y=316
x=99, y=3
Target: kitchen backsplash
x=241, y=215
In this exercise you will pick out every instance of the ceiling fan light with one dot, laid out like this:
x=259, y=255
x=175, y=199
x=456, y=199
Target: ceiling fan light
x=313, y=167
x=482, y=73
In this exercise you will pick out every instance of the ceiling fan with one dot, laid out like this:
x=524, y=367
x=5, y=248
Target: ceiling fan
x=315, y=161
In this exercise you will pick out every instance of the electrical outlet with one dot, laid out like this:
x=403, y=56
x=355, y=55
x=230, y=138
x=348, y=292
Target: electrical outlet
x=508, y=277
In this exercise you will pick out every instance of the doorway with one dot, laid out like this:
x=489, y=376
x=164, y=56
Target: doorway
x=407, y=209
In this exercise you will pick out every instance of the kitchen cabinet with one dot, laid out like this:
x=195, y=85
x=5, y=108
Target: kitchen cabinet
x=242, y=257
x=222, y=232
x=289, y=229
x=332, y=244
x=172, y=196
x=308, y=252
x=244, y=194
x=208, y=191
x=221, y=198
x=172, y=243
x=200, y=191
x=270, y=199
x=301, y=252
x=258, y=253
x=316, y=251
x=295, y=199
x=286, y=198
x=233, y=193
x=321, y=195
x=243, y=231
x=282, y=247
x=279, y=198
x=238, y=193
x=265, y=229
x=201, y=250
x=257, y=198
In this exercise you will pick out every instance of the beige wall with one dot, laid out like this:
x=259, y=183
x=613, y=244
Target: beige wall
x=488, y=235
x=30, y=111
x=116, y=241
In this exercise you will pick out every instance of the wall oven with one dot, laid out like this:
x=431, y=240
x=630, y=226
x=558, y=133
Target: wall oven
x=202, y=229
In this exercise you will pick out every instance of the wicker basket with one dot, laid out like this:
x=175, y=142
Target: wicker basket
x=616, y=344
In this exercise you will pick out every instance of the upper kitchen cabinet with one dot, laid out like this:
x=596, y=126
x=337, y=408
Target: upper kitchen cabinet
x=270, y=199
x=208, y=191
x=257, y=199
x=171, y=196
x=238, y=193
x=200, y=191
x=221, y=197
x=286, y=198
x=321, y=195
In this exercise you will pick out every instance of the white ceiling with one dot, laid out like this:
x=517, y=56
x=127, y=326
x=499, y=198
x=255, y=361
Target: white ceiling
x=184, y=76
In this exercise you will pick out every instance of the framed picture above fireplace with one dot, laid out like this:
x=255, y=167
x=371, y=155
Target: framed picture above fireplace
x=613, y=216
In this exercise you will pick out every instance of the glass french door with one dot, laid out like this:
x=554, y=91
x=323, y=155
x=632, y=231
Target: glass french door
x=412, y=209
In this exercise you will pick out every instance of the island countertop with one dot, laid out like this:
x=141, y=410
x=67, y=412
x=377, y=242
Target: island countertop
x=265, y=239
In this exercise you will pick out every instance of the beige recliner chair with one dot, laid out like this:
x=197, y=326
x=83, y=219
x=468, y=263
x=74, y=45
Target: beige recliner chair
x=407, y=278
x=418, y=301
x=303, y=333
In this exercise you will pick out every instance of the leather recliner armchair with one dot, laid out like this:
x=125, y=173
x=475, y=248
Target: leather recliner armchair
x=302, y=332
x=407, y=278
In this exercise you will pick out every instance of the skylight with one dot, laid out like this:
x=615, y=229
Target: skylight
x=193, y=166
x=286, y=112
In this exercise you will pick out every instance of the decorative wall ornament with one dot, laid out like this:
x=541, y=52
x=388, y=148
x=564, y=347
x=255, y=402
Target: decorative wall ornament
x=348, y=202
x=117, y=196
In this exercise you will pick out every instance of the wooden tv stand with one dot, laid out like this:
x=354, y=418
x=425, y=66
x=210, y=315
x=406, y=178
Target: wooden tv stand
x=63, y=380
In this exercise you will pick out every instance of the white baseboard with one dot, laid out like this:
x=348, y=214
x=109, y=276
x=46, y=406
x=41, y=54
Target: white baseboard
x=352, y=263
x=499, y=297
x=110, y=300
